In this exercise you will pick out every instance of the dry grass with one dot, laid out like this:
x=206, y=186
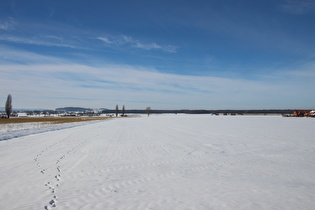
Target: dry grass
x=54, y=120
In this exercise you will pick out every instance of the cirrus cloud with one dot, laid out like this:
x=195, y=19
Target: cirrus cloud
x=56, y=82
x=134, y=43
x=7, y=24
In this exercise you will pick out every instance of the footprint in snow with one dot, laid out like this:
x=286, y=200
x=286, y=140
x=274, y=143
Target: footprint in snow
x=52, y=204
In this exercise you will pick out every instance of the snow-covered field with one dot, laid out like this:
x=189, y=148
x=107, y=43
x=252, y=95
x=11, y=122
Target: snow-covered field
x=163, y=162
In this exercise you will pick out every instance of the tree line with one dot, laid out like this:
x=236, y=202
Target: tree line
x=148, y=111
x=8, y=108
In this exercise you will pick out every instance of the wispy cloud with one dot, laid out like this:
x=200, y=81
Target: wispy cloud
x=35, y=41
x=54, y=36
x=7, y=24
x=298, y=7
x=105, y=39
x=9, y=55
x=66, y=84
x=20, y=32
x=128, y=40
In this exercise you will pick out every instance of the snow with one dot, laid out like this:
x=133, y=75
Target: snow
x=163, y=162
x=14, y=130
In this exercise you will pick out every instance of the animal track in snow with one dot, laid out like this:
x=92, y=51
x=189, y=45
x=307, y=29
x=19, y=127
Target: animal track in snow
x=52, y=204
x=58, y=177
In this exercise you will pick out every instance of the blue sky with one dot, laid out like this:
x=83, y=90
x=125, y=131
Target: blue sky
x=165, y=54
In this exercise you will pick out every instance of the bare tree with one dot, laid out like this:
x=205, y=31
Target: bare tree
x=123, y=110
x=116, y=110
x=8, y=105
x=148, y=110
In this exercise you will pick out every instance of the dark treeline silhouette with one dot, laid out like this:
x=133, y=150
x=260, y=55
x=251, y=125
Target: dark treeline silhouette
x=73, y=109
x=186, y=111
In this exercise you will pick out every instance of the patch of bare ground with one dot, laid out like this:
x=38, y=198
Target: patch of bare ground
x=53, y=120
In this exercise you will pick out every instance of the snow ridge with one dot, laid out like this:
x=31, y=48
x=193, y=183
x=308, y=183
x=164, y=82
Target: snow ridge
x=16, y=130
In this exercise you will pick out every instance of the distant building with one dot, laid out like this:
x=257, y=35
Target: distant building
x=310, y=113
x=22, y=114
x=304, y=113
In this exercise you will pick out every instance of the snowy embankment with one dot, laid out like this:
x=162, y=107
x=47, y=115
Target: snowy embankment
x=163, y=162
x=15, y=130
